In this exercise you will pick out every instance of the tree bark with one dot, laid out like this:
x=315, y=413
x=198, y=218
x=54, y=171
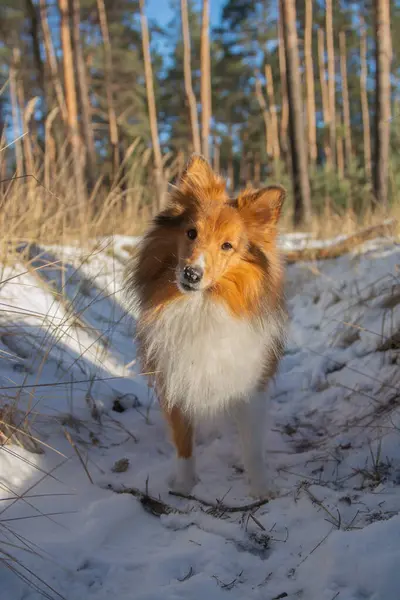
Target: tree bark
x=382, y=109
x=112, y=118
x=311, y=117
x=15, y=112
x=31, y=9
x=70, y=94
x=324, y=94
x=364, y=102
x=191, y=98
x=272, y=114
x=205, y=80
x=266, y=116
x=283, y=77
x=339, y=147
x=151, y=104
x=301, y=184
x=331, y=79
x=345, y=97
x=52, y=62
x=83, y=93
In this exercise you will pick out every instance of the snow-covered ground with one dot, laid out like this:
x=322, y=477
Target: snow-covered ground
x=68, y=359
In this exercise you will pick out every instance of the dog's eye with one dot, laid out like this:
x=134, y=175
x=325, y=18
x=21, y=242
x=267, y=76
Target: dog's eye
x=226, y=246
x=192, y=234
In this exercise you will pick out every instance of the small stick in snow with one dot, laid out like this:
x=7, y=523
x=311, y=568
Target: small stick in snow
x=71, y=441
x=155, y=506
x=220, y=506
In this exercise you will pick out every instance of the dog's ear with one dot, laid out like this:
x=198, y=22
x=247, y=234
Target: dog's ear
x=198, y=179
x=261, y=207
x=197, y=166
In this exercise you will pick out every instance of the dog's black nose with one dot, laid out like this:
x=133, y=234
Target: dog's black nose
x=192, y=274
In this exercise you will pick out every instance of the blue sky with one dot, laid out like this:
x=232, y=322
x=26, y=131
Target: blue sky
x=160, y=10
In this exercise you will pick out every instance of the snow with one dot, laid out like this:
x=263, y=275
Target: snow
x=333, y=441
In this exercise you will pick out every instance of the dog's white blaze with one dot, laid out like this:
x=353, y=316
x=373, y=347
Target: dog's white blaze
x=210, y=359
x=201, y=261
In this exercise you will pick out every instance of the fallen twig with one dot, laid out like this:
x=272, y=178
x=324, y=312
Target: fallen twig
x=221, y=506
x=155, y=506
x=342, y=246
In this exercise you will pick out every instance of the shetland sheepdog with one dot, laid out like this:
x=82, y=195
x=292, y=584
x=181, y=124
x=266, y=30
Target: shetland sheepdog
x=208, y=283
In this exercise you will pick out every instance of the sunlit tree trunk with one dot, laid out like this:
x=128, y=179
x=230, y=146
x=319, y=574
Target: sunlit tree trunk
x=70, y=94
x=205, y=80
x=301, y=184
x=364, y=102
x=265, y=113
x=272, y=114
x=151, y=104
x=52, y=62
x=331, y=79
x=15, y=113
x=83, y=92
x=283, y=131
x=382, y=109
x=35, y=28
x=191, y=98
x=112, y=117
x=345, y=97
x=311, y=117
x=324, y=94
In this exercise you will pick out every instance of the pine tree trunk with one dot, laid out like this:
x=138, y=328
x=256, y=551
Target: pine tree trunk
x=345, y=97
x=188, y=78
x=34, y=21
x=324, y=94
x=151, y=104
x=272, y=115
x=364, y=102
x=339, y=148
x=83, y=93
x=70, y=94
x=311, y=117
x=331, y=79
x=112, y=118
x=301, y=184
x=15, y=113
x=266, y=116
x=205, y=80
x=49, y=144
x=52, y=62
x=382, y=109
x=283, y=77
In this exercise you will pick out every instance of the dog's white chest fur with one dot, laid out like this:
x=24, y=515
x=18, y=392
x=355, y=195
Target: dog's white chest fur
x=207, y=357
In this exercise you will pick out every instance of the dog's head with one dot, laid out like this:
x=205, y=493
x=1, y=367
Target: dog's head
x=215, y=234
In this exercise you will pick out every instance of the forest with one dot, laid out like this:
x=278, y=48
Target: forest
x=100, y=107
x=102, y=102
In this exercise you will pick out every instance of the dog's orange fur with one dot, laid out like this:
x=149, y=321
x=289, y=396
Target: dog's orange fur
x=181, y=429
x=243, y=279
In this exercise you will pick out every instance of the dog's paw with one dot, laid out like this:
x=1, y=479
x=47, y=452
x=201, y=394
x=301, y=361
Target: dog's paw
x=184, y=478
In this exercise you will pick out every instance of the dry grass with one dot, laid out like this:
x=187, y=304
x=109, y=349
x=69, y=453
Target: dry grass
x=45, y=203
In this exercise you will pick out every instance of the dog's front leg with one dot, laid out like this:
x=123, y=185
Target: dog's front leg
x=251, y=422
x=184, y=477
